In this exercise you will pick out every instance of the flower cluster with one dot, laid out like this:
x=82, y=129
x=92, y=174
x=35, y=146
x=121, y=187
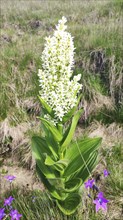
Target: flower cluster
x=8, y=210
x=13, y=212
x=58, y=88
x=100, y=201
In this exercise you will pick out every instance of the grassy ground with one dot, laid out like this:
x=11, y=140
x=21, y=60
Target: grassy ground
x=97, y=29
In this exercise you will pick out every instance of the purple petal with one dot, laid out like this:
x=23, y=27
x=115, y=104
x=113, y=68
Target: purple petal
x=2, y=213
x=8, y=201
x=98, y=206
x=104, y=206
x=15, y=215
x=100, y=195
x=89, y=183
x=104, y=200
x=95, y=201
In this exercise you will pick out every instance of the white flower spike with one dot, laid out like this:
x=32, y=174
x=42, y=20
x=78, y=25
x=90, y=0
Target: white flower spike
x=58, y=58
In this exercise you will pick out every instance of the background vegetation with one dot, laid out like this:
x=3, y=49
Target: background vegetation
x=97, y=27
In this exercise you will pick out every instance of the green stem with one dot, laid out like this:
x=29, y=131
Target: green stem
x=60, y=128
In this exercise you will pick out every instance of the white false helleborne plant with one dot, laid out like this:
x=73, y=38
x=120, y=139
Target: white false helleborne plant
x=62, y=163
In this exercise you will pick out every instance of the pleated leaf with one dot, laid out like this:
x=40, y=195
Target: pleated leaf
x=87, y=169
x=70, y=204
x=82, y=145
x=52, y=144
x=57, y=194
x=40, y=150
x=79, y=157
x=58, y=165
x=73, y=185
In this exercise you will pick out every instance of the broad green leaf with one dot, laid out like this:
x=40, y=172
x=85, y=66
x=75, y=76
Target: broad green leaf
x=71, y=112
x=71, y=130
x=57, y=194
x=80, y=157
x=40, y=143
x=46, y=107
x=82, y=145
x=49, y=125
x=52, y=144
x=58, y=165
x=49, y=161
x=86, y=171
x=58, y=183
x=70, y=204
x=40, y=150
x=73, y=185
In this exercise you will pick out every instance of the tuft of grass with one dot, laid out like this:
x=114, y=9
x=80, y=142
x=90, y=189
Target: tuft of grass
x=38, y=205
x=113, y=185
x=107, y=116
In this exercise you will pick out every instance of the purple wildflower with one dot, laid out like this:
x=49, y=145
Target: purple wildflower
x=15, y=215
x=2, y=213
x=106, y=173
x=101, y=202
x=10, y=178
x=8, y=201
x=89, y=183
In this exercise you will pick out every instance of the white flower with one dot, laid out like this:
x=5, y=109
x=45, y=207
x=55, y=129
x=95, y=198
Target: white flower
x=58, y=58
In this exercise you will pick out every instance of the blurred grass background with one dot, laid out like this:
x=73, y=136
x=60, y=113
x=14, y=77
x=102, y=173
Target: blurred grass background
x=97, y=30
x=97, y=27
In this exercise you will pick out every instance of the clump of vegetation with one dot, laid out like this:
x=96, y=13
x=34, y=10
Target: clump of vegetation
x=37, y=204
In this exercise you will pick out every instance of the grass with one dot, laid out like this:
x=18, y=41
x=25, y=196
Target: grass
x=95, y=26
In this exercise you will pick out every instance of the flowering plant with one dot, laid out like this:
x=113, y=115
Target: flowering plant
x=98, y=199
x=8, y=211
x=62, y=164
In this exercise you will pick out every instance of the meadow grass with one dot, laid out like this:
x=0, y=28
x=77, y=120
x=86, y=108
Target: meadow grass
x=95, y=25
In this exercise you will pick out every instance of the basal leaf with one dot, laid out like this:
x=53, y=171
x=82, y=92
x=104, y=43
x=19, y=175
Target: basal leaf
x=57, y=194
x=80, y=157
x=40, y=150
x=73, y=185
x=87, y=169
x=58, y=165
x=70, y=204
x=83, y=145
